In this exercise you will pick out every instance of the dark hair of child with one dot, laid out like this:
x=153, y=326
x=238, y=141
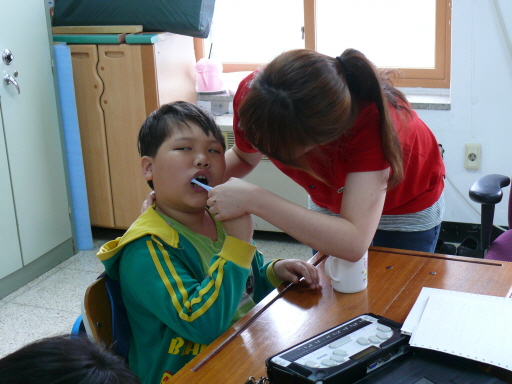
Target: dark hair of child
x=64, y=360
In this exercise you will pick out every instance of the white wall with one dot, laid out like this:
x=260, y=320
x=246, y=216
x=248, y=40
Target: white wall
x=481, y=104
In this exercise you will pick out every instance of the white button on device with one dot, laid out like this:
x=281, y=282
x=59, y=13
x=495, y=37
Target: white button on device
x=338, y=343
x=383, y=336
x=374, y=339
x=328, y=363
x=337, y=358
x=363, y=341
x=340, y=352
x=383, y=328
x=311, y=363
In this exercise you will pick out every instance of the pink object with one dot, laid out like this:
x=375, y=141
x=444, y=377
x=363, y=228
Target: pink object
x=208, y=76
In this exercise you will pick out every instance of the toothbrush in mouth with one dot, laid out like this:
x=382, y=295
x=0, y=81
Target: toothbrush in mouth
x=207, y=187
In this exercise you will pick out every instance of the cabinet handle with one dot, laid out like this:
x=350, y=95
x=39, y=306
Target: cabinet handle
x=114, y=54
x=8, y=79
x=80, y=55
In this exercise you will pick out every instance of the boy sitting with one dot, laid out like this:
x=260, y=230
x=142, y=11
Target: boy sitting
x=185, y=278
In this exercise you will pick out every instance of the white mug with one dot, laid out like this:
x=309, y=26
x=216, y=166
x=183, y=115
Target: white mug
x=347, y=276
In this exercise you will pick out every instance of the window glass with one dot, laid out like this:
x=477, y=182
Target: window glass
x=391, y=33
x=411, y=35
x=248, y=31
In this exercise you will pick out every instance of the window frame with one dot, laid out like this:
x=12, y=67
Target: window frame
x=437, y=77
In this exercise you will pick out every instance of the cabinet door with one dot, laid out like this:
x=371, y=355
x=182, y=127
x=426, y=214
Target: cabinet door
x=88, y=91
x=10, y=253
x=120, y=68
x=32, y=131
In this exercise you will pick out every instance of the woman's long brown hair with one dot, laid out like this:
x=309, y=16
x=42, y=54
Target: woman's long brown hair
x=303, y=98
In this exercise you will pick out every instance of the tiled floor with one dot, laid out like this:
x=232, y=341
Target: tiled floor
x=50, y=304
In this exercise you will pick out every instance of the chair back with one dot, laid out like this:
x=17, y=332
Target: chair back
x=501, y=247
x=510, y=210
x=488, y=191
x=97, y=313
x=104, y=315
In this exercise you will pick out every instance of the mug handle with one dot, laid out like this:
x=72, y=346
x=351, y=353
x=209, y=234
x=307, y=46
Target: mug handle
x=328, y=268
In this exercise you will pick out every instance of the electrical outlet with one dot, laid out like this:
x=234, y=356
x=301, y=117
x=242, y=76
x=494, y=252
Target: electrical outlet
x=472, y=156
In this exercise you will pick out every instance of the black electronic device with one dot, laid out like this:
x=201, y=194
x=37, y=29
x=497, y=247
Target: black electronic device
x=422, y=366
x=340, y=355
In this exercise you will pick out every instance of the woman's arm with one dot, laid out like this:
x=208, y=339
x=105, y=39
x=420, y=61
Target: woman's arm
x=347, y=237
x=239, y=163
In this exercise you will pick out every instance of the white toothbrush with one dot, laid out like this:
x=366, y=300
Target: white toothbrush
x=207, y=187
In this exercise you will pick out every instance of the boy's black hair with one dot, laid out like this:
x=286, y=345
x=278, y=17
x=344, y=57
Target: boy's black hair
x=64, y=359
x=162, y=122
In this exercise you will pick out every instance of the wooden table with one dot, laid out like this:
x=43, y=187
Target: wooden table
x=292, y=314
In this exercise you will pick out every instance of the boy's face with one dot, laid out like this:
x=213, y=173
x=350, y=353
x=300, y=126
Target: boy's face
x=186, y=155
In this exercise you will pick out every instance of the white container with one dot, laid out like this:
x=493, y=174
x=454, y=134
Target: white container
x=347, y=276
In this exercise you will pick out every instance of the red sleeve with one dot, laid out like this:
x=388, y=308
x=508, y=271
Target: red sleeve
x=240, y=140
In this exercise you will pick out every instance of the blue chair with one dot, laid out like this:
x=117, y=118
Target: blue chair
x=104, y=317
x=488, y=191
x=78, y=327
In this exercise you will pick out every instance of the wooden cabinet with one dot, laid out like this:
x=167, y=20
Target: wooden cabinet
x=116, y=87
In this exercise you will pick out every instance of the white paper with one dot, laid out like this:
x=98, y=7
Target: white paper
x=414, y=316
x=475, y=328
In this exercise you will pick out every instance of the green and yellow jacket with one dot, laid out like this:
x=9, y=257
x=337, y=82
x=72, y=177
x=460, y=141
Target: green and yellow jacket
x=177, y=300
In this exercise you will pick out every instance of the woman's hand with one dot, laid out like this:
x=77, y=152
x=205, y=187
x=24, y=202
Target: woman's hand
x=293, y=269
x=231, y=199
x=150, y=200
